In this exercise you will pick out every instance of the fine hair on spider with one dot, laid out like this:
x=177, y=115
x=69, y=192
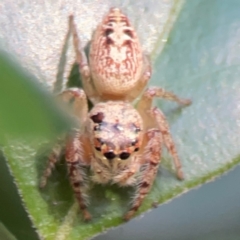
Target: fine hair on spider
x=118, y=143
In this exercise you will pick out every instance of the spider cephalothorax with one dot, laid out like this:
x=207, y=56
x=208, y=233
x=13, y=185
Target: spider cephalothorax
x=116, y=130
x=119, y=144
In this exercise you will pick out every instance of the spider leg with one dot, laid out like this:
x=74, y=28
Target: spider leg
x=76, y=101
x=151, y=158
x=82, y=62
x=77, y=151
x=168, y=142
x=78, y=148
x=159, y=121
x=78, y=158
x=150, y=93
x=52, y=160
x=157, y=134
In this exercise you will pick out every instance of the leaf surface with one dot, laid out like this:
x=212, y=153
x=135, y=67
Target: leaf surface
x=196, y=57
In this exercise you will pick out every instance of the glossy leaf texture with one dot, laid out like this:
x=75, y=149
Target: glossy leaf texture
x=195, y=56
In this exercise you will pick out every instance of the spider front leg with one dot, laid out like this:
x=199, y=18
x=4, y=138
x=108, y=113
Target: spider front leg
x=150, y=162
x=150, y=93
x=77, y=98
x=159, y=120
x=77, y=148
x=78, y=158
x=78, y=153
x=52, y=160
x=157, y=134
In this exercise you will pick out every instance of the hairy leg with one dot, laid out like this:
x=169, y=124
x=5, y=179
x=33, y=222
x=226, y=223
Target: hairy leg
x=78, y=147
x=76, y=101
x=146, y=100
x=52, y=160
x=77, y=158
x=168, y=141
x=77, y=98
x=150, y=160
x=153, y=117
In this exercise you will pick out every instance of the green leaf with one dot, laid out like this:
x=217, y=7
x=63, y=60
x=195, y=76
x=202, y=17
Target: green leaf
x=25, y=108
x=28, y=119
x=5, y=234
x=198, y=60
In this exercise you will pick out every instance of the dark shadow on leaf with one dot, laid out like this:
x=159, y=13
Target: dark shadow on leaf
x=57, y=192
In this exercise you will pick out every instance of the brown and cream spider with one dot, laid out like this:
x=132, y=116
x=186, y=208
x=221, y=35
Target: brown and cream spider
x=118, y=143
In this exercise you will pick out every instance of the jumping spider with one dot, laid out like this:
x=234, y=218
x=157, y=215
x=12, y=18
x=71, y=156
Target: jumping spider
x=118, y=143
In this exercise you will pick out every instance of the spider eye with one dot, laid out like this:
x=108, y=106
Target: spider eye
x=98, y=149
x=124, y=155
x=96, y=128
x=110, y=155
x=137, y=129
x=97, y=118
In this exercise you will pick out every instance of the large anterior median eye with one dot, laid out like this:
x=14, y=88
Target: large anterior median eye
x=124, y=155
x=110, y=155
